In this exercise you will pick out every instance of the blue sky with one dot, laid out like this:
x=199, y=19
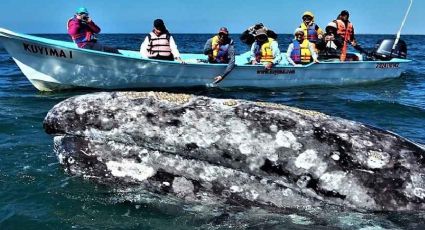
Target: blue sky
x=201, y=16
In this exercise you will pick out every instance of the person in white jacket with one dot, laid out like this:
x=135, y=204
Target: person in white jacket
x=159, y=44
x=301, y=51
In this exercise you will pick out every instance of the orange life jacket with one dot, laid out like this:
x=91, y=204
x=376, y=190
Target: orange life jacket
x=345, y=32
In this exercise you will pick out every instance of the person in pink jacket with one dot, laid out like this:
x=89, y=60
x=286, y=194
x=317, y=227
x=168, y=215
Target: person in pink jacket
x=83, y=32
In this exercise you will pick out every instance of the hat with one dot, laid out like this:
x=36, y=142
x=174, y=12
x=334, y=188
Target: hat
x=223, y=30
x=159, y=24
x=82, y=10
x=260, y=32
x=258, y=26
x=344, y=12
x=332, y=24
x=308, y=13
x=298, y=30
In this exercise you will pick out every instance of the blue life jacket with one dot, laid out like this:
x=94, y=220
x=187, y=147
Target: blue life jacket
x=301, y=53
x=296, y=52
x=223, y=54
x=312, y=35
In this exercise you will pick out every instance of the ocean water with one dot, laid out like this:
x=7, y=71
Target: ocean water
x=35, y=193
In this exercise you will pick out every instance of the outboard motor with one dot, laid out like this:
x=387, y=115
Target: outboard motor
x=384, y=50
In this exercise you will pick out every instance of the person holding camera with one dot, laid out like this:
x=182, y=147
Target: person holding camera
x=330, y=46
x=83, y=32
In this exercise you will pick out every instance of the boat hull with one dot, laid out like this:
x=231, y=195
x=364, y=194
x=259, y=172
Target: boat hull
x=54, y=65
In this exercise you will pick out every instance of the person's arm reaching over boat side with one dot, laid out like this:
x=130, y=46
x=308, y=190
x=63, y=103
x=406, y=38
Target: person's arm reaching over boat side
x=175, y=51
x=230, y=66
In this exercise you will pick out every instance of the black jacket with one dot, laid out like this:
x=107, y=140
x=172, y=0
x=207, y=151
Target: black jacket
x=330, y=49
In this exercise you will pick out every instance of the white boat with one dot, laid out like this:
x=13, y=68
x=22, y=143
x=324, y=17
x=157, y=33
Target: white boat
x=53, y=65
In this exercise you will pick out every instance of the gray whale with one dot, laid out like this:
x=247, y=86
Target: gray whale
x=234, y=151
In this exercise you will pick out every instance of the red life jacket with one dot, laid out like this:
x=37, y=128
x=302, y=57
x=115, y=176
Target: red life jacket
x=84, y=34
x=159, y=46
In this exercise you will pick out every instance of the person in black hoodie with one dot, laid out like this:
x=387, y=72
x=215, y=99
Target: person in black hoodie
x=330, y=45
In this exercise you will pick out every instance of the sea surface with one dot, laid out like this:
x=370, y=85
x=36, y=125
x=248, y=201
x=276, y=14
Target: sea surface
x=36, y=193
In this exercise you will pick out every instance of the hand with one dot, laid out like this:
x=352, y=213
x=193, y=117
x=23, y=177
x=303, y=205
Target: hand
x=268, y=65
x=180, y=60
x=320, y=36
x=354, y=43
x=254, y=62
x=316, y=61
x=88, y=19
x=218, y=79
x=329, y=38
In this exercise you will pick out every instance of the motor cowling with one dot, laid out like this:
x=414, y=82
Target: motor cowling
x=384, y=49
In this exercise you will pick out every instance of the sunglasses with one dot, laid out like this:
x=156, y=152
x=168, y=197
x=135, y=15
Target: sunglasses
x=307, y=18
x=299, y=35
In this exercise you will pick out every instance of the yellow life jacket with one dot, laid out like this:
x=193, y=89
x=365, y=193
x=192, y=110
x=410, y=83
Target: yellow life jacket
x=305, y=51
x=301, y=53
x=310, y=32
x=215, y=46
x=265, y=53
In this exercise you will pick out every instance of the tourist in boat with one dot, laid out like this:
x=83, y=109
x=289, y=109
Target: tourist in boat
x=346, y=31
x=331, y=44
x=248, y=36
x=301, y=51
x=159, y=44
x=265, y=50
x=220, y=50
x=83, y=30
x=311, y=30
